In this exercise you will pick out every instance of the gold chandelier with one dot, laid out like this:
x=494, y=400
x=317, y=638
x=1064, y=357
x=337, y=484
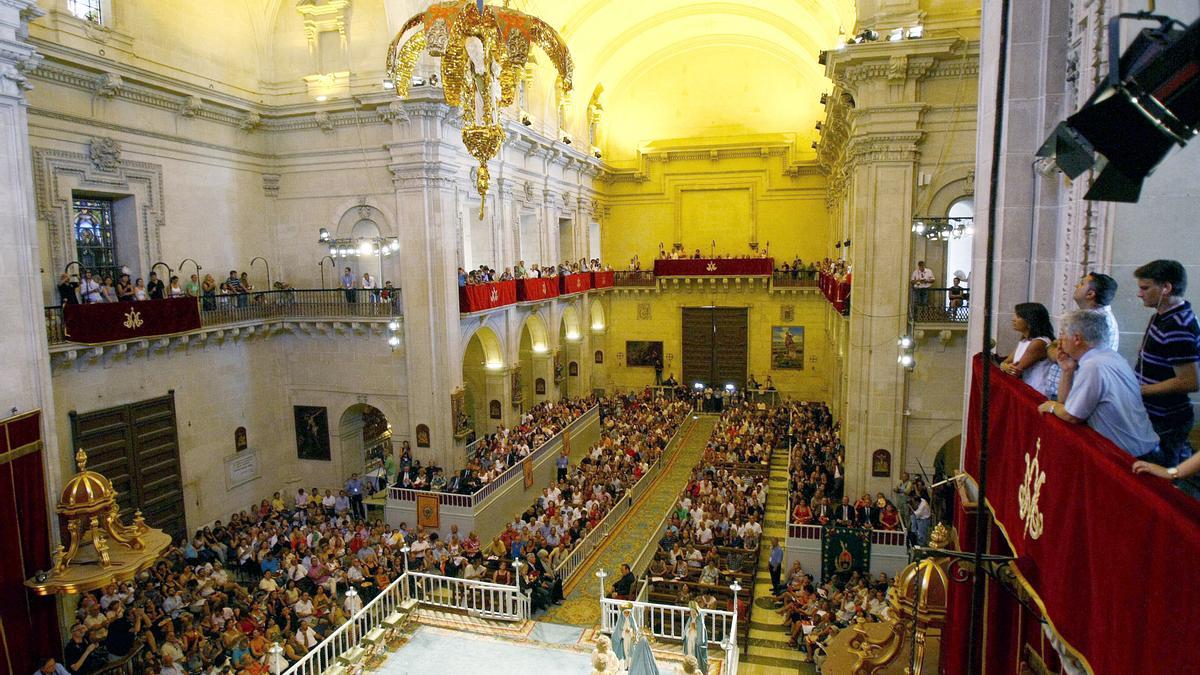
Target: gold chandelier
x=480, y=77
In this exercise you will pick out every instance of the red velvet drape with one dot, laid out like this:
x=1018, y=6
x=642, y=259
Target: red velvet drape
x=30, y=623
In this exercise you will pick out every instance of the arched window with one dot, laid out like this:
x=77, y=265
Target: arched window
x=958, y=250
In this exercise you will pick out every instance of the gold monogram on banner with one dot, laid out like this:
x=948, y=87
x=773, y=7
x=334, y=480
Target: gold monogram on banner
x=1030, y=492
x=133, y=319
x=484, y=50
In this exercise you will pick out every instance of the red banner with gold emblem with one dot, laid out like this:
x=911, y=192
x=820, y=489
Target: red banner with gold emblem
x=101, y=322
x=1108, y=555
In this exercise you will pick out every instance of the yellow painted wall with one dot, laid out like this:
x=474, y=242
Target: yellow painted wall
x=745, y=194
x=660, y=318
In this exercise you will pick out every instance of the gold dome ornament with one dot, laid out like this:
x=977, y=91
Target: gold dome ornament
x=484, y=50
x=88, y=503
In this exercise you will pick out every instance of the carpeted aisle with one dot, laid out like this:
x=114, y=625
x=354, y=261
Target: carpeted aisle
x=769, y=652
x=582, y=604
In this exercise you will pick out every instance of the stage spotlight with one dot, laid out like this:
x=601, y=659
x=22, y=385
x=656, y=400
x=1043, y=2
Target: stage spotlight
x=1149, y=103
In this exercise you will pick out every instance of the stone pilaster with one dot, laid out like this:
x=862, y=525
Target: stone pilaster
x=24, y=359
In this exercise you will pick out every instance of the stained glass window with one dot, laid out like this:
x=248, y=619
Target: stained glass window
x=95, y=245
x=89, y=10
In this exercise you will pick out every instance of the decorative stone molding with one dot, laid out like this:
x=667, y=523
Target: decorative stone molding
x=324, y=123
x=395, y=111
x=57, y=173
x=270, y=184
x=105, y=154
x=107, y=85
x=250, y=121
x=190, y=106
x=321, y=16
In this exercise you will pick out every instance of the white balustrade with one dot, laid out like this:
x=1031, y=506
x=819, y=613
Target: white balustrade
x=478, y=598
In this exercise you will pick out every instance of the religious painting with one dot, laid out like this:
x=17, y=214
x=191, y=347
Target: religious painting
x=643, y=352
x=787, y=347
x=573, y=369
x=539, y=386
x=494, y=409
x=518, y=394
x=527, y=468
x=427, y=511
x=422, y=436
x=312, y=432
x=462, y=421
x=643, y=311
x=599, y=356
x=845, y=550
x=239, y=439
x=881, y=463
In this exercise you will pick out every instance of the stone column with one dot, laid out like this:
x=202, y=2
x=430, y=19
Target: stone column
x=876, y=165
x=426, y=177
x=24, y=358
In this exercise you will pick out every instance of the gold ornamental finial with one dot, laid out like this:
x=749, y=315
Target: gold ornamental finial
x=940, y=538
x=81, y=460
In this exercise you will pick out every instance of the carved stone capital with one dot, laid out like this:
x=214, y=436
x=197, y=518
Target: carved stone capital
x=108, y=85
x=393, y=112
x=270, y=184
x=191, y=106
x=250, y=121
x=324, y=121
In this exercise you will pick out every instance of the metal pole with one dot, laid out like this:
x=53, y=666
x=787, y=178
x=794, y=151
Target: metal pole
x=975, y=660
x=268, y=264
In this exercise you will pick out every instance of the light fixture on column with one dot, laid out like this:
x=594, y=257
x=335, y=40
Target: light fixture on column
x=907, y=346
x=345, y=247
x=943, y=229
x=483, y=50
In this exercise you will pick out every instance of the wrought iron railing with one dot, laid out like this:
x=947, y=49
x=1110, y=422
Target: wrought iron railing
x=228, y=310
x=800, y=279
x=940, y=305
x=639, y=278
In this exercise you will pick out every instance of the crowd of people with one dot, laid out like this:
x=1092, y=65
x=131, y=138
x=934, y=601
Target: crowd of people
x=635, y=430
x=1143, y=409
x=816, y=612
x=494, y=453
x=278, y=572
x=486, y=275
x=93, y=289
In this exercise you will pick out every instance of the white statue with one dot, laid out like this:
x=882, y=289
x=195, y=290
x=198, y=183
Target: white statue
x=688, y=666
x=604, y=662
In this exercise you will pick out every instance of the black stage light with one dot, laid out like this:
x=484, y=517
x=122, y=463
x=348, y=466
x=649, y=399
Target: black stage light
x=1149, y=103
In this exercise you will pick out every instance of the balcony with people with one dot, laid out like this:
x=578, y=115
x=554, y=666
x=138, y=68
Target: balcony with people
x=484, y=288
x=95, y=310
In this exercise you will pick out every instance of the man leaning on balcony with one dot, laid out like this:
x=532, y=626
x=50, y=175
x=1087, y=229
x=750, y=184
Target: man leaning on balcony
x=1099, y=388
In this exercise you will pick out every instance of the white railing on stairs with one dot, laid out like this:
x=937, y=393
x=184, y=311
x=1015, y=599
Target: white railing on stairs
x=477, y=598
x=667, y=622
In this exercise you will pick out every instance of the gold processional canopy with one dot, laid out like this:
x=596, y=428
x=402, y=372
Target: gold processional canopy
x=484, y=50
x=89, y=505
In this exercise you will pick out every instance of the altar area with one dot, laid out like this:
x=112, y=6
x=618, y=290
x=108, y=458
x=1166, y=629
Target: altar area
x=434, y=651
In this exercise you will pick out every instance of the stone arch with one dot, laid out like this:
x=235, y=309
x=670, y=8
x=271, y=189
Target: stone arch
x=936, y=441
x=491, y=345
x=954, y=184
x=364, y=433
x=598, y=318
x=533, y=349
x=570, y=324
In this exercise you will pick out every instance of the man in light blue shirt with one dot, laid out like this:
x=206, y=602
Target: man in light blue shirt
x=775, y=565
x=1099, y=388
x=354, y=488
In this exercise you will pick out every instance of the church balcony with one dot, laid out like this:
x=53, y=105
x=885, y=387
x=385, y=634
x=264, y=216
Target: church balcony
x=696, y=273
x=941, y=307
x=307, y=311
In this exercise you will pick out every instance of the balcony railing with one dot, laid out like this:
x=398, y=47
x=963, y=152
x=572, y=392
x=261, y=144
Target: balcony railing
x=940, y=305
x=223, y=310
x=797, y=279
x=632, y=279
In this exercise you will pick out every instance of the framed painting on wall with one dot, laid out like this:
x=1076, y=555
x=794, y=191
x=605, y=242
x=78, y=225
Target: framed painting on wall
x=787, y=347
x=312, y=432
x=643, y=352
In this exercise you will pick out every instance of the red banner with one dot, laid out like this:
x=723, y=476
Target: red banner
x=536, y=289
x=478, y=297
x=1108, y=554
x=714, y=267
x=112, y=321
x=574, y=283
x=602, y=279
x=835, y=291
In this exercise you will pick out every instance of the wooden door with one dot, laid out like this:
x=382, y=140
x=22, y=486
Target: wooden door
x=714, y=346
x=137, y=447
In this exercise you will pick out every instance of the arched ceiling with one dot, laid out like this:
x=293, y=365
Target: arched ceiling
x=705, y=71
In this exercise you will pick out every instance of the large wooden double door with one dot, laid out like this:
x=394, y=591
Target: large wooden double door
x=136, y=446
x=714, y=346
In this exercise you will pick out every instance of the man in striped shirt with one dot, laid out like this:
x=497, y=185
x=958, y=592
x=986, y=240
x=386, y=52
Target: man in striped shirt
x=1167, y=363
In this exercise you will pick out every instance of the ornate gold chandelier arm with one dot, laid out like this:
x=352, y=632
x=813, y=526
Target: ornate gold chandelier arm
x=401, y=62
x=549, y=40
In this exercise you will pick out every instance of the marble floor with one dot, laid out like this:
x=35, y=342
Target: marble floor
x=436, y=651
